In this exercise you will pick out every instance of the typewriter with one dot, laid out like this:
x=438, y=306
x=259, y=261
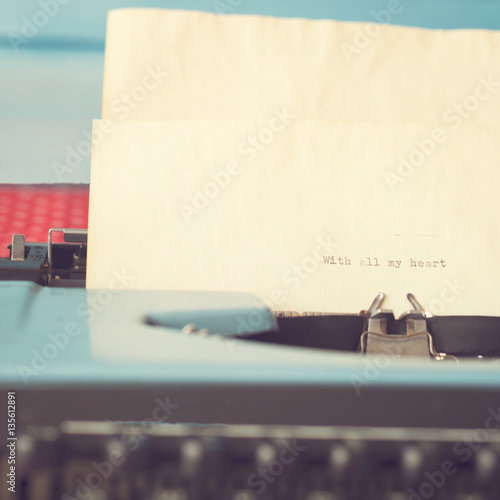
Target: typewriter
x=212, y=396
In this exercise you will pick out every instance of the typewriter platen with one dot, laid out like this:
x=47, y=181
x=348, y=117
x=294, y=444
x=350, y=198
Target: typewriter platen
x=191, y=395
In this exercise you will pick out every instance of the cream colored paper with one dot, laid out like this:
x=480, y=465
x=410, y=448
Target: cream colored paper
x=192, y=205
x=169, y=65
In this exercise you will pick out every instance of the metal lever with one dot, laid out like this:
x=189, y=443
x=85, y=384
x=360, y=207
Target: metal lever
x=416, y=305
x=18, y=247
x=377, y=301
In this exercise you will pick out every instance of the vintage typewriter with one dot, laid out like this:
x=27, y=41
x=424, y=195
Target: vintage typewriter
x=212, y=396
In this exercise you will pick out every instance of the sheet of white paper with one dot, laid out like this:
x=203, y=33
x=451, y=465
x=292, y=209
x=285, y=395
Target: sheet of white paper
x=309, y=215
x=168, y=65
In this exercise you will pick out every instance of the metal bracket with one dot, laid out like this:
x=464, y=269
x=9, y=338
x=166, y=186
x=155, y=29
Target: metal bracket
x=71, y=235
x=417, y=341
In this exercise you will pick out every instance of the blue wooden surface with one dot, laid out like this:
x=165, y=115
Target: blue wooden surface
x=50, y=86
